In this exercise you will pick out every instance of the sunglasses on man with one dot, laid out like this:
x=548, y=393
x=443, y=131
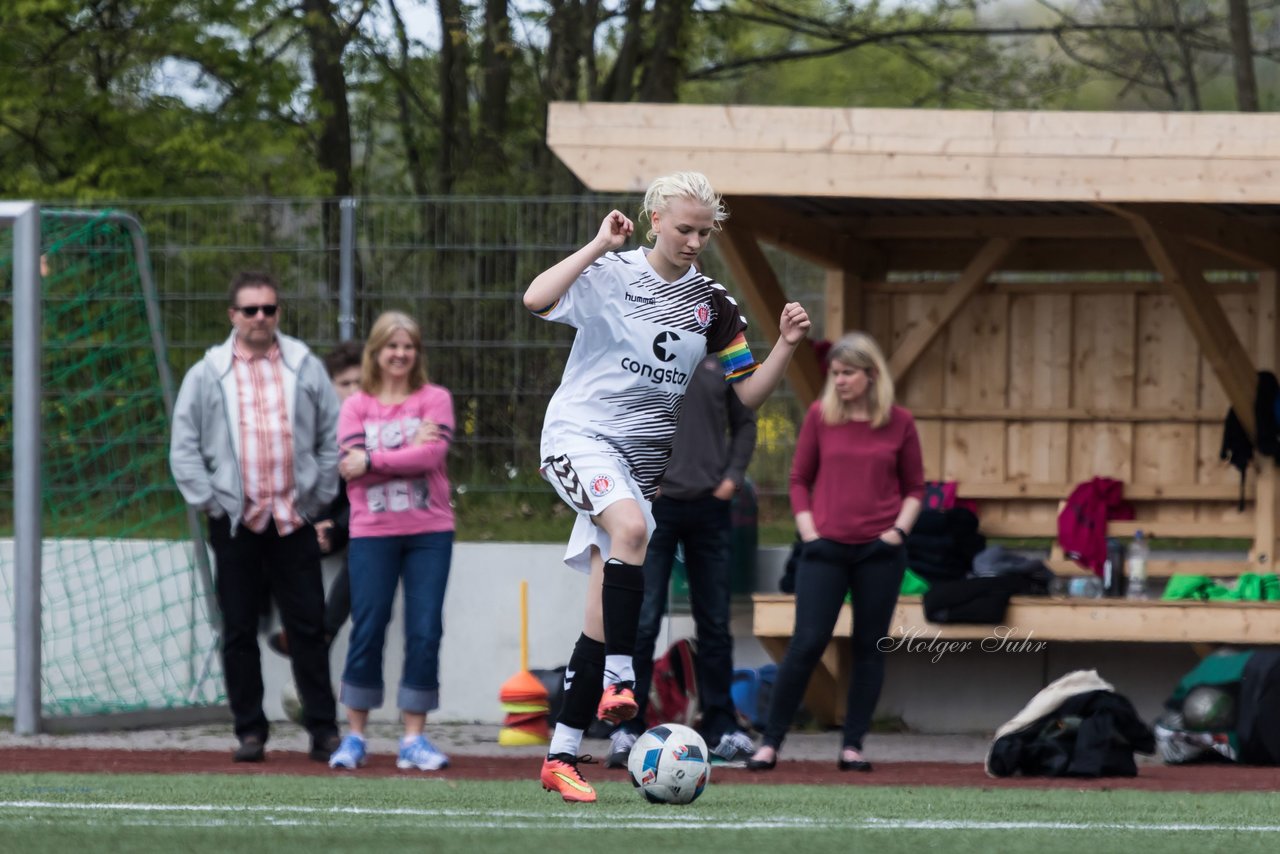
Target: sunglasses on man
x=252, y=310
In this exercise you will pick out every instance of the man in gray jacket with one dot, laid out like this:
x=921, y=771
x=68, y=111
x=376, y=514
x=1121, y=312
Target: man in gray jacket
x=254, y=447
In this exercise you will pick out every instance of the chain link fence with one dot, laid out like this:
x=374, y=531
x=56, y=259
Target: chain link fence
x=459, y=265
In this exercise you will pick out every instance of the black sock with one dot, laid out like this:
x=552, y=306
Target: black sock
x=623, y=596
x=583, y=683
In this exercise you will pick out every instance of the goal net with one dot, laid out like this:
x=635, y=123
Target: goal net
x=125, y=623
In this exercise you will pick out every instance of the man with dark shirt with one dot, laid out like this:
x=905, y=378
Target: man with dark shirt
x=712, y=447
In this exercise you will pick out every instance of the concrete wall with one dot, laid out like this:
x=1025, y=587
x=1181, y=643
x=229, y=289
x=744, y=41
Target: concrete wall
x=971, y=691
x=481, y=647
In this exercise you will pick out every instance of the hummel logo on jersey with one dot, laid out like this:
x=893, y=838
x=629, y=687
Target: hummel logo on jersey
x=567, y=480
x=568, y=678
x=660, y=348
x=630, y=297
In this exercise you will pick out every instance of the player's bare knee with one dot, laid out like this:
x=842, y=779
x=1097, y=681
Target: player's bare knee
x=629, y=537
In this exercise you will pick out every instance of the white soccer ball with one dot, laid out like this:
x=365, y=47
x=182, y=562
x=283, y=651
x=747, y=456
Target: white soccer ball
x=670, y=764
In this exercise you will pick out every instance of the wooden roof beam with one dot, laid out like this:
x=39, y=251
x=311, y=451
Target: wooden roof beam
x=960, y=227
x=1034, y=254
x=804, y=236
x=766, y=298
x=1203, y=313
x=1252, y=245
x=989, y=257
x=962, y=155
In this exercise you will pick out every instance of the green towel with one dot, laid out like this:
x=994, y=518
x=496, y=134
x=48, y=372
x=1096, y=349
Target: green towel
x=1188, y=587
x=1271, y=588
x=913, y=585
x=1249, y=587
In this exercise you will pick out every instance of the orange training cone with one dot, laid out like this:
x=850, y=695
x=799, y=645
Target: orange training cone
x=523, y=697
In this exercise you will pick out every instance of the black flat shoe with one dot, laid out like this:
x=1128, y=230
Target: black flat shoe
x=251, y=749
x=754, y=764
x=853, y=764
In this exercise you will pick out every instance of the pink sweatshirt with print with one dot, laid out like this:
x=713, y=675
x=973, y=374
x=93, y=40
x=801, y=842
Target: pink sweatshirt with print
x=407, y=489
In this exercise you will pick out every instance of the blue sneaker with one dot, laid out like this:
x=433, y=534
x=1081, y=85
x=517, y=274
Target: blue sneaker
x=350, y=753
x=421, y=754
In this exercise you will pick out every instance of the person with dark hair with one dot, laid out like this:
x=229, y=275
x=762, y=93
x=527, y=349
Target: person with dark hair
x=254, y=447
x=644, y=319
x=332, y=533
x=857, y=481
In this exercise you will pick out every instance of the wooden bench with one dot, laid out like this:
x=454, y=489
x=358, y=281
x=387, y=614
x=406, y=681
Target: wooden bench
x=1029, y=620
x=1163, y=511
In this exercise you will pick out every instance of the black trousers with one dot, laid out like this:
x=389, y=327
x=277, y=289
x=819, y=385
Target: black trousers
x=872, y=573
x=704, y=526
x=338, y=606
x=250, y=567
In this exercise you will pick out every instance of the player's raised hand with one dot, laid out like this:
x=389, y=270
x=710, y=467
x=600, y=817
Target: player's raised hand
x=615, y=230
x=794, y=324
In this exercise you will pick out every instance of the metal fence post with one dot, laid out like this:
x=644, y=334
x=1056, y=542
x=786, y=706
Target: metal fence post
x=346, y=270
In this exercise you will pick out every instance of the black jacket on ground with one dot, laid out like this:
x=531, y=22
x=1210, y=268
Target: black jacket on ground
x=1258, y=726
x=1091, y=734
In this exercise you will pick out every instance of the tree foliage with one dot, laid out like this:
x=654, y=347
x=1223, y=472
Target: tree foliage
x=1176, y=54
x=151, y=98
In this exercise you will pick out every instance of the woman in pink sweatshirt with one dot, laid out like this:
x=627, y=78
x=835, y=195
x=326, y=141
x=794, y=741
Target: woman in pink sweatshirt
x=394, y=436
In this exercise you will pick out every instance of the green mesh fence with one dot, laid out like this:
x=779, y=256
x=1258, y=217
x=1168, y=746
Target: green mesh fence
x=125, y=620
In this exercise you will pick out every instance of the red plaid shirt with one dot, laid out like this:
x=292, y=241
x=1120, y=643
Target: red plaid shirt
x=266, y=441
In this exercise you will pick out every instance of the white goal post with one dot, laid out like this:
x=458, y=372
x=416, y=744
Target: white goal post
x=24, y=219
x=37, y=564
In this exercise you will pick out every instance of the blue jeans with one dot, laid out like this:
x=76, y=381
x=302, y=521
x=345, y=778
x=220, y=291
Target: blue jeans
x=704, y=526
x=376, y=565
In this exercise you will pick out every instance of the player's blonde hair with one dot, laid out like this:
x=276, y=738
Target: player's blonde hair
x=859, y=350
x=387, y=324
x=681, y=185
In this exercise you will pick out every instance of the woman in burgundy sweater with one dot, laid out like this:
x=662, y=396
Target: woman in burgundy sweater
x=856, y=486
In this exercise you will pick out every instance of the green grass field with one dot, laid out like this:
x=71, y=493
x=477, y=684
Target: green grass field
x=65, y=813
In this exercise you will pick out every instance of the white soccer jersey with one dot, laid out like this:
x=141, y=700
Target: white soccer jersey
x=639, y=340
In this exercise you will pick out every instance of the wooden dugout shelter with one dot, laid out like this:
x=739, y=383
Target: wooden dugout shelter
x=1061, y=295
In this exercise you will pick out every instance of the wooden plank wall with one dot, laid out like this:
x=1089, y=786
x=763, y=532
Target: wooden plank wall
x=1059, y=383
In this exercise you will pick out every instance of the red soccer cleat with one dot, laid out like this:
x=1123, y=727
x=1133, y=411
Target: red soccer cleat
x=560, y=774
x=618, y=703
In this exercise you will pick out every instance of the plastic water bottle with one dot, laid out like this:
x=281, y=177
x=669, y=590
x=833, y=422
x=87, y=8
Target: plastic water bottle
x=1136, y=566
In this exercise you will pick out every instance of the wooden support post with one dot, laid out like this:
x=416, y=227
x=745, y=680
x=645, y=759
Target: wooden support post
x=971, y=280
x=764, y=294
x=844, y=303
x=1235, y=238
x=1204, y=315
x=1264, y=508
